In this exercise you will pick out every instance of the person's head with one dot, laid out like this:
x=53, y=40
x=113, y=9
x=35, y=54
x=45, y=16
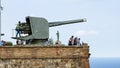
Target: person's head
x=72, y=36
x=18, y=22
x=75, y=38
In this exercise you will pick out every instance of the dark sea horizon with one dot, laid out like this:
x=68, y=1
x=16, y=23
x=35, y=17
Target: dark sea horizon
x=104, y=62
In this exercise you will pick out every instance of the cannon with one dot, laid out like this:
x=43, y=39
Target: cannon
x=36, y=30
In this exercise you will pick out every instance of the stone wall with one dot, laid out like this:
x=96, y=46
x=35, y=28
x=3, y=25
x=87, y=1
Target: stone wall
x=44, y=57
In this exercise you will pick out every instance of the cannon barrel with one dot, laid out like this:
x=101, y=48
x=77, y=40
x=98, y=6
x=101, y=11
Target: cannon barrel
x=58, y=23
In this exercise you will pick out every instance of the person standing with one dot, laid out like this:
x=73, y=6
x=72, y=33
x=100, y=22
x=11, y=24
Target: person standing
x=78, y=42
x=18, y=29
x=70, y=42
x=75, y=41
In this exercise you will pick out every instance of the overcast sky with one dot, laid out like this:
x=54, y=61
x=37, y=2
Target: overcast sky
x=101, y=31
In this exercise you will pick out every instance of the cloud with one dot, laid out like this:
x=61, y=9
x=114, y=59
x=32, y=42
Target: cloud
x=86, y=32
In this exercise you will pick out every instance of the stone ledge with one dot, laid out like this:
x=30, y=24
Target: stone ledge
x=50, y=58
x=34, y=46
x=43, y=52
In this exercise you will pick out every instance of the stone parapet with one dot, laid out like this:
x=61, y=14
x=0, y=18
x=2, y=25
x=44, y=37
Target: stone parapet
x=44, y=56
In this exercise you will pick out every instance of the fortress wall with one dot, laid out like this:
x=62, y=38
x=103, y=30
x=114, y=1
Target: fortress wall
x=44, y=57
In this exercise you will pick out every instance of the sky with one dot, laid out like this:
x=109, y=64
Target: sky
x=101, y=31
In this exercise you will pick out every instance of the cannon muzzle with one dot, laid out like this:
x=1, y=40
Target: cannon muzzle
x=58, y=23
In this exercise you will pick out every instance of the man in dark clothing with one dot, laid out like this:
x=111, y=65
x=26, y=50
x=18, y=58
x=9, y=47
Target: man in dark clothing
x=75, y=41
x=71, y=41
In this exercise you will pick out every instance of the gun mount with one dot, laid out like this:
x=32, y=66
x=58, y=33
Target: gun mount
x=36, y=30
